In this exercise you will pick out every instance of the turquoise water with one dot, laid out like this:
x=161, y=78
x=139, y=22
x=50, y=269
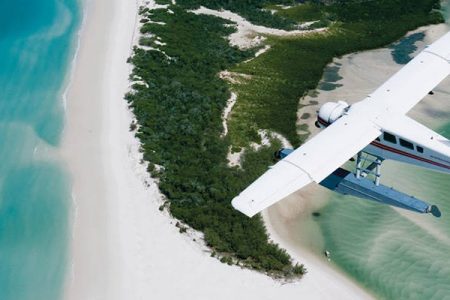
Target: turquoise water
x=330, y=78
x=37, y=38
x=393, y=253
x=403, y=49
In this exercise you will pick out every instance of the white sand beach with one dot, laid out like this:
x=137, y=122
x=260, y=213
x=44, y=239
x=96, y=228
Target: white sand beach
x=122, y=246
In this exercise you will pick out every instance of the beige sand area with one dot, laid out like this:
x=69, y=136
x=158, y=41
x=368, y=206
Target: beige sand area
x=122, y=246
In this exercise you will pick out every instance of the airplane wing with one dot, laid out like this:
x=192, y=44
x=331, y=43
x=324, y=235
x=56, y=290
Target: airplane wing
x=313, y=161
x=415, y=80
x=340, y=141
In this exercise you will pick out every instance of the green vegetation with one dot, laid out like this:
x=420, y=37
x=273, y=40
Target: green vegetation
x=294, y=65
x=180, y=124
x=302, y=13
x=254, y=11
x=179, y=107
x=163, y=2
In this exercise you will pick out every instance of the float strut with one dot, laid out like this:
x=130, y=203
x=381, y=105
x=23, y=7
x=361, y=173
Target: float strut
x=378, y=171
x=358, y=165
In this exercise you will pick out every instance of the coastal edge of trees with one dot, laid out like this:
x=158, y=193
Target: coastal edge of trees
x=178, y=99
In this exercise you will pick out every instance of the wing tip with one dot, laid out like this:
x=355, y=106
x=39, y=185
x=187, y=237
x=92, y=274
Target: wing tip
x=243, y=206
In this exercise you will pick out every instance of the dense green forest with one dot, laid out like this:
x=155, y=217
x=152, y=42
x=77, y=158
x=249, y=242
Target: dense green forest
x=178, y=99
x=253, y=10
x=295, y=65
x=180, y=123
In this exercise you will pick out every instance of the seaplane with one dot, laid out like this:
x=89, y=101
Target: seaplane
x=368, y=132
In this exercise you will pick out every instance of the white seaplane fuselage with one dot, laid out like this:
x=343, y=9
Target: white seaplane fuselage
x=402, y=139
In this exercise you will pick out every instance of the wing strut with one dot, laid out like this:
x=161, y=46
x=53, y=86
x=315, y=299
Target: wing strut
x=374, y=168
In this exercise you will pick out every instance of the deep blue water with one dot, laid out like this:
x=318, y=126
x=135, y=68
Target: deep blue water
x=37, y=42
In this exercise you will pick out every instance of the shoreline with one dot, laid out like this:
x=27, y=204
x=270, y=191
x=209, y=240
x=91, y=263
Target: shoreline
x=72, y=63
x=92, y=270
x=319, y=271
x=122, y=246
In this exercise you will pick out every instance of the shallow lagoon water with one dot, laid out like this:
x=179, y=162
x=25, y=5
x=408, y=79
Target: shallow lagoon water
x=37, y=39
x=393, y=253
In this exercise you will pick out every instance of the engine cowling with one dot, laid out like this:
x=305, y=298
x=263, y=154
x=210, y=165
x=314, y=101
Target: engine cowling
x=330, y=112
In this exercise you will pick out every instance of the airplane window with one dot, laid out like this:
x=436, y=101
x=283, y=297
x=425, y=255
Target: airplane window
x=390, y=138
x=420, y=149
x=406, y=144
